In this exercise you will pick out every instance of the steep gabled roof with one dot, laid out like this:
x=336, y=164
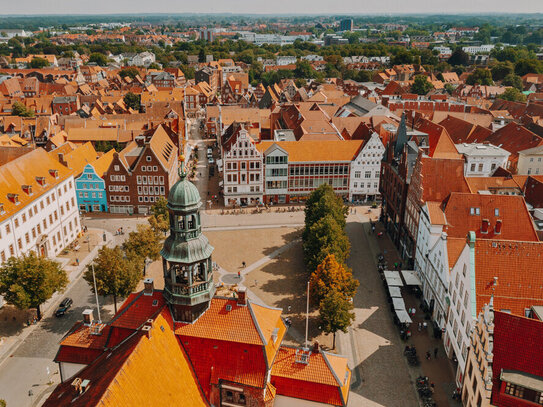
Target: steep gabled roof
x=323, y=379
x=145, y=370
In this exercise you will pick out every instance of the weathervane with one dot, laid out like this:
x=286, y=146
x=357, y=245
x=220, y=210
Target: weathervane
x=182, y=172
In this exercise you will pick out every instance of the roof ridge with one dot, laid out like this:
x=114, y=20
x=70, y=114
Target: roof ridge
x=324, y=356
x=255, y=321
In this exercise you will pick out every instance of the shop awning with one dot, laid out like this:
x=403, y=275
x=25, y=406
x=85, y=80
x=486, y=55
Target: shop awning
x=395, y=292
x=393, y=278
x=403, y=316
x=410, y=278
x=399, y=304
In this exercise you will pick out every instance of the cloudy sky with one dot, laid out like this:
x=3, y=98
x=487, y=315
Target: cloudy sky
x=267, y=6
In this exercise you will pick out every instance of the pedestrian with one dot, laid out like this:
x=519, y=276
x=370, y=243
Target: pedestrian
x=413, y=311
x=77, y=261
x=428, y=355
x=435, y=353
x=256, y=282
x=425, y=325
x=289, y=308
x=420, y=326
x=395, y=265
x=239, y=274
x=372, y=229
x=432, y=387
x=243, y=264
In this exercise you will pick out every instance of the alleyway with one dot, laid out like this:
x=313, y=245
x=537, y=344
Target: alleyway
x=385, y=375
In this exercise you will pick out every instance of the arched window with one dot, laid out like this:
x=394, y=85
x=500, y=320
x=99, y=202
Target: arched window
x=181, y=222
x=192, y=222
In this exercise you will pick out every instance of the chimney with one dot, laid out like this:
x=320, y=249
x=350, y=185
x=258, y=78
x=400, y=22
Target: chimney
x=484, y=227
x=148, y=286
x=498, y=227
x=87, y=317
x=242, y=294
x=316, y=347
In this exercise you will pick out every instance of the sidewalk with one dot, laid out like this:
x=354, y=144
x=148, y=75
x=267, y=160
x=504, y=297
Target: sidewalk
x=439, y=370
x=14, y=321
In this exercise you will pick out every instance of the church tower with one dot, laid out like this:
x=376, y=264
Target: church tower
x=186, y=255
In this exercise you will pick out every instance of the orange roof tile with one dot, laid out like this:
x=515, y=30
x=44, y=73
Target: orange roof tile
x=316, y=151
x=321, y=380
x=517, y=265
x=517, y=223
x=143, y=371
x=437, y=217
x=455, y=246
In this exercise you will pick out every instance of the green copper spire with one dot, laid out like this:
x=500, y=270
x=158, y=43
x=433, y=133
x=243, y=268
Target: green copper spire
x=186, y=254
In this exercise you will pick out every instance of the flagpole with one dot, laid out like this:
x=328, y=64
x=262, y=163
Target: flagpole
x=96, y=292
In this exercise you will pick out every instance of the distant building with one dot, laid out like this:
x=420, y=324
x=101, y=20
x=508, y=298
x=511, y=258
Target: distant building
x=481, y=160
x=346, y=24
x=91, y=187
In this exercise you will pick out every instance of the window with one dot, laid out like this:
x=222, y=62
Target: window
x=27, y=238
x=357, y=174
x=481, y=167
x=472, y=168
x=8, y=229
x=23, y=217
x=148, y=158
x=16, y=222
x=367, y=174
x=11, y=250
x=19, y=243
x=514, y=390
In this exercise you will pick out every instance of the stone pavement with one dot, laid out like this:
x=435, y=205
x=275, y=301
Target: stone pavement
x=440, y=370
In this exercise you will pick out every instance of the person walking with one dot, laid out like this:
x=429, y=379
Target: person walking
x=239, y=274
x=428, y=355
x=243, y=264
x=435, y=352
x=420, y=326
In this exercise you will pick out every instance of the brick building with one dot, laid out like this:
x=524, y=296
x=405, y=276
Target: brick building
x=141, y=173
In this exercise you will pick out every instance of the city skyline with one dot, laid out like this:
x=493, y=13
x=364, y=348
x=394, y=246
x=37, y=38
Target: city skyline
x=281, y=7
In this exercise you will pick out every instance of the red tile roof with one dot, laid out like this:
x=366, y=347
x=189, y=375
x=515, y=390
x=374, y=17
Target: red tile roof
x=517, y=346
x=517, y=223
x=517, y=265
x=323, y=379
x=137, y=309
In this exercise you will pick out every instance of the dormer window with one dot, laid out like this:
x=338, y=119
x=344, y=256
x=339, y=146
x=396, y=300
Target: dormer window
x=54, y=173
x=27, y=189
x=41, y=181
x=2, y=211
x=14, y=198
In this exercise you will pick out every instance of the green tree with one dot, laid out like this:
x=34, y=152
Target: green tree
x=335, y=312
x=132, y=100
x=513, y=94
x=142, y=244
x=459, y=57
x=98, y=59
x=402, y=57
x=303, y=70
x=513, y=80
x=323, y=238
x=449, y=88
x=324, y=201
x=480, y=76
x=153, y=65
x=116, y=275
x=131, y=72
x=3, y=403
x=501, y=69
x=30, y=280
x=159, y=219
x=331, y=275
x=525, y=66
x=18, y=109
x=421, y=85
x=37, y=63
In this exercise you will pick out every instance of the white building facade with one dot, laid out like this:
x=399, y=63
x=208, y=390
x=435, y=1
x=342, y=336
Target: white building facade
x=481, y=160
x=366, y=169
x=243, y=172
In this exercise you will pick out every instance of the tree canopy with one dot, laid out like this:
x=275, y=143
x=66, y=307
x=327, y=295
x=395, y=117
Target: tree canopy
x=159, y=219
x=116, y=275
x=18, y=109
x=331, y=275
x=480, y=76
x=142, y=244
x=513, y=94
x=37, y=63
x=335, y=312
x=421, y=85
x=28, y=281
x=132, y=100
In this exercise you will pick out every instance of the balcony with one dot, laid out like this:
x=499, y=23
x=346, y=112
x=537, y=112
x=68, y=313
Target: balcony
x=186, y=291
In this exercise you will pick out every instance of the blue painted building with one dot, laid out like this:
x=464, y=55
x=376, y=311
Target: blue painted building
x=90, y=187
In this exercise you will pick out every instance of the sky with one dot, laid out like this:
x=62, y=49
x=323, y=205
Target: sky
x=270, y=7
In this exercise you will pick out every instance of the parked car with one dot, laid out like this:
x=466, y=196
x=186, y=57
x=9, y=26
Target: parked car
x=209, y=153
x=211, y=160
x=211, y=171
x=64, y=306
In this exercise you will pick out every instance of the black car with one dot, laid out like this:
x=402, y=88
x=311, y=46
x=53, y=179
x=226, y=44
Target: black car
x=63, y=307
